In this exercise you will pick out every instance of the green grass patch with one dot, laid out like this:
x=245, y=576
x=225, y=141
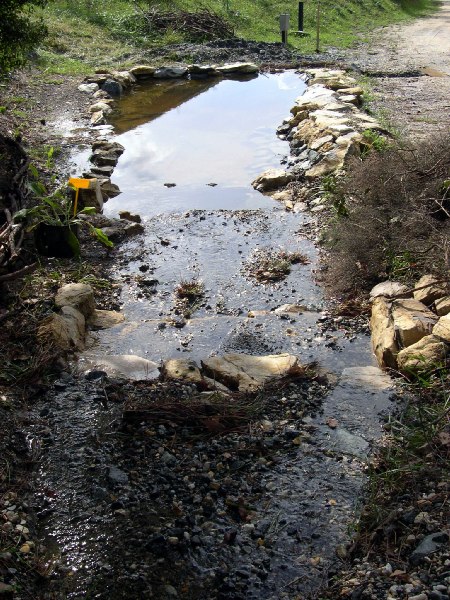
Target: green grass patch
x=84, y=35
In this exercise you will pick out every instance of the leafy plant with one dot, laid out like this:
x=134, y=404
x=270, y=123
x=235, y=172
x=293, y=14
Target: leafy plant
x=57, y=209
x=374, y=141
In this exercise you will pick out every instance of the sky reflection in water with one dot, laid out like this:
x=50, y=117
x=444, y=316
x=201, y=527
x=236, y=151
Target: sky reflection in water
x=197, y=133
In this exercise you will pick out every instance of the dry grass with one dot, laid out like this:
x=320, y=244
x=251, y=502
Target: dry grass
x=396, y=222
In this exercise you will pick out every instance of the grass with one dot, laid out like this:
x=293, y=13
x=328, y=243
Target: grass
x=83, y=36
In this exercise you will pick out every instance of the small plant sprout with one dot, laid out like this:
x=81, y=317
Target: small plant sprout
x=190, y=289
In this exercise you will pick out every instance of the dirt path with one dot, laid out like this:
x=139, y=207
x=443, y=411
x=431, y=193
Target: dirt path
x=411, y=68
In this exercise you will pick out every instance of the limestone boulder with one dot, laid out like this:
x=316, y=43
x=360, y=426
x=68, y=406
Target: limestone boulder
x=77, y=295
x=332, y=161
x=238, y=67
x=98, y=118
x=170, y=72
x=127, y=216
x=442, y=328
x=181, y=369
x=66, y=330
x=125, y=78
x=272, y=179
x=202, y=70
x=442, y=306
x=248, y=373
x=384, y=343
x=143, y=71
x=423, y=355
x=88, y=88
x=109, y=190
x=123, y=366
x=412, y=321
x=388, y=289
x=428, y=290
x=105, y=319
x=101, y=106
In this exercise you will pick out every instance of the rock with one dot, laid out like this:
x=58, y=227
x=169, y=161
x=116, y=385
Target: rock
x=125, y=78
x=429, y=545
x=109, y=190
x=134, y=229
x=431, y=290
x=318, y=144
x=105, y=171
x=353, y=91
x=88, y=88
x=332, y=161
x=384, y=343
x=104, y=159
x=216, y=386
x=75, y=324
x=77, y=295
x=412, y=321
x=272, y=179
x=127, y=216
x=126, y=366
x=389, y=289
x=249, y=373
x=105, y=146
x=182, y=369
x=238, y=67
x=98, y=78
x=62, y=330
x=113, y=88
x=423, y=355
x=442, y=328
x=295, y=309
x=117, y=477
x=442, y=306
x=367, y=377
x=143, y=71
x=170, y=72
x=100, y=106
x=98, y=118
x=104, y=319
x=202, y=70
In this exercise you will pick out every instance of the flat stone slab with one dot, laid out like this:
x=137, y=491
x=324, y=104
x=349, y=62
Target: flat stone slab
x=248, y=373
x=372, y=377
x=124, y=366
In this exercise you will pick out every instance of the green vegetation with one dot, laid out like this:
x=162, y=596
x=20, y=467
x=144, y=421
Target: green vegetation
x=18, y=33
x=82, y=34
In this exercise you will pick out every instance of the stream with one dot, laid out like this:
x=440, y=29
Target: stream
x=153, y=510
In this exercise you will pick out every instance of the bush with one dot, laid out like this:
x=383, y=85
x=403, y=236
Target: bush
x=18, y=34
x=397, y=217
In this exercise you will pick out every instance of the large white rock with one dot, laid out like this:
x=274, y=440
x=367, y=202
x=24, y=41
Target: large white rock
x=181, y=369
x=412, y=321
x=142, y=71
x=442, y=328
x=238, y=67
x=77, y=295
x=124, y=366
x=88, y=88
x=388, y=289
x=248, y=373
x=272, y=179
x=384, y=343
x=428, y=290
x=423, y=355
x=442, y=306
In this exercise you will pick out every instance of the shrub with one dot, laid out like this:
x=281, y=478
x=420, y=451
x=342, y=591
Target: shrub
x=397, y=217
x=18, y=34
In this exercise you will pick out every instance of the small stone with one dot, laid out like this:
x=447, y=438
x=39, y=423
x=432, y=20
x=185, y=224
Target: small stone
x=25, y=548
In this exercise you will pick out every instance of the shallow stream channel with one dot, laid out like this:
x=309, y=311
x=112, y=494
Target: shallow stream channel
x=159, y=509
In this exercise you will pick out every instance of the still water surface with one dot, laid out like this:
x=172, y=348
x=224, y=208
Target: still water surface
x=197, y=133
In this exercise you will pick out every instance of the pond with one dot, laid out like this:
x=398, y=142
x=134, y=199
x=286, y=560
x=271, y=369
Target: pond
x=210, y=138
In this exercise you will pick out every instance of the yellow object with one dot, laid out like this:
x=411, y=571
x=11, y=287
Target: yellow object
x=81, y=184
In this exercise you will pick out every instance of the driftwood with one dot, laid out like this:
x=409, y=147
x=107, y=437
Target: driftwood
x=202, y=24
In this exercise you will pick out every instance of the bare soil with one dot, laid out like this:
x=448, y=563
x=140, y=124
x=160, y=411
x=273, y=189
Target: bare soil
x=409, y=66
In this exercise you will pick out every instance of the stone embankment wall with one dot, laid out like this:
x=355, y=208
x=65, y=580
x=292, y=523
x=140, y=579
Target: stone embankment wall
x=411, y=327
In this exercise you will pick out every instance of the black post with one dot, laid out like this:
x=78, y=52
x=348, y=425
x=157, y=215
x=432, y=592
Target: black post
x=300, y=16
x=284, y=37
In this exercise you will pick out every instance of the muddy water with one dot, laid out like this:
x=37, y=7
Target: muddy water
x=115, y=531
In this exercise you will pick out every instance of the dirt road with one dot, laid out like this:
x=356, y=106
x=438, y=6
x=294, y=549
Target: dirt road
x=411, y=65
